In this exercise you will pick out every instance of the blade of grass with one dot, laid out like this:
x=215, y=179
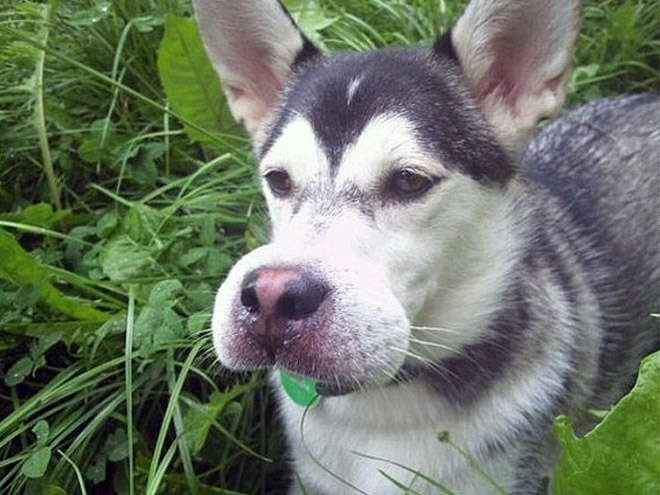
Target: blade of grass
x=70, y=381
x=182, y=442
x=128, y=374
x=81, y=482
x=422, y=476
x=156, y=471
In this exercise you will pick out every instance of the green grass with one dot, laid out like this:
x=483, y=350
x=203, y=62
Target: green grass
x=116, y=229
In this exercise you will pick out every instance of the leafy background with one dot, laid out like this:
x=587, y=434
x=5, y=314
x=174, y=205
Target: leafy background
x=126, y=193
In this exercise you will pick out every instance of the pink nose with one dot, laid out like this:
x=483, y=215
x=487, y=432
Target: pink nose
x=276, y=295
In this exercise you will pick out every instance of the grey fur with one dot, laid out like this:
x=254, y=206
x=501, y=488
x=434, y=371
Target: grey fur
x=590, y=207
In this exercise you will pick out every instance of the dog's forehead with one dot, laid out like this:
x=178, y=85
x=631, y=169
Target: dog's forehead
x=342, y=97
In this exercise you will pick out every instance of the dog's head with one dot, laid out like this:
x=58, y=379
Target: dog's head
x=385, y=175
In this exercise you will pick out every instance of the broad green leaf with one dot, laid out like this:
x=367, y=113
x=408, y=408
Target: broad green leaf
x=116, y=446
x=96, y=469
x=311, y=18
x=101, y=140
x=107, y=224
x=42, y=215
x=38, y=347
x=22, y=269
x=142, y=223
x=18, y=371
x=191, y=84
x=157, y=325
x=90, y=16
x=302, y=391
x=122, y=258
x=42, y=431
x=164, y=293
x=193, y=255
x=35, y=466
x=144, y=169
x=200, y=417
x=37, y=486
x=28, y=295
x=197, y=323
x=201, y=296
x=620, y=456
x=217, y=262
x=157, y=322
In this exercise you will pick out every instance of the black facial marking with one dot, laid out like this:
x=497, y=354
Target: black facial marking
x=308, y=50
x=425, y=86
x=462, y=379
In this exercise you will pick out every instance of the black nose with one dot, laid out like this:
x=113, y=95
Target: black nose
x=285, y=293
x=275, y=297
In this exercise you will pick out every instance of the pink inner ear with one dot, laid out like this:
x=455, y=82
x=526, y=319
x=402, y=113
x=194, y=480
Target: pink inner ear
x=501, y=80
x=254, y=64
x=517, y=67
x=258, y=80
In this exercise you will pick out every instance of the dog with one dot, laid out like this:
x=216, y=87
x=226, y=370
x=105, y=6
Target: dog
x=450, y=278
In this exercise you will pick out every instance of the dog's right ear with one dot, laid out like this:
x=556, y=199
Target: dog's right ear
x=253, y=46
x=516, y=56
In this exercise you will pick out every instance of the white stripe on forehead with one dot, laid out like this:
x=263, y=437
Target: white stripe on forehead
x=298, y=151
x=387, y=141
x=352, y=88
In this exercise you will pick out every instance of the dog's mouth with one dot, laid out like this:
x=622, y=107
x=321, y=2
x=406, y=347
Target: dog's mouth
x=335, y=388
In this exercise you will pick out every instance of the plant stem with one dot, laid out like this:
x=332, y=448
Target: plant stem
x=39, y=112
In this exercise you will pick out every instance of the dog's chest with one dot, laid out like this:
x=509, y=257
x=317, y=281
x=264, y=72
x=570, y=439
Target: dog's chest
x=373, y=441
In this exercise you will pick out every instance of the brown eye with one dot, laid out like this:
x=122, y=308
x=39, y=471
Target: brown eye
x=279, y=183
x=407, y=184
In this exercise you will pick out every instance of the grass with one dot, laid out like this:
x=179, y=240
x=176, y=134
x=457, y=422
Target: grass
x=115, y=230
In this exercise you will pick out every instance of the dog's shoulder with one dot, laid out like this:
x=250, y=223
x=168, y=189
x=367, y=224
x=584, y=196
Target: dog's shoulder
x=600, y=162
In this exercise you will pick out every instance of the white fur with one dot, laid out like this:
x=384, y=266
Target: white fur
x=386, y=143
x=352, y=88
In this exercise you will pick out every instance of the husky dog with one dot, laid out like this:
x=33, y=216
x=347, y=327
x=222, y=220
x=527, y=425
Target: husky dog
x=432, y=266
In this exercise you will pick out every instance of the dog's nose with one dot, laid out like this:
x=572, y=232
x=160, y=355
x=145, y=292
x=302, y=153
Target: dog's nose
x=282, y=292
x=277, y=295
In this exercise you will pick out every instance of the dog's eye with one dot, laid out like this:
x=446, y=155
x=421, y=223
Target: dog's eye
x=408, y=184
x=279, y=183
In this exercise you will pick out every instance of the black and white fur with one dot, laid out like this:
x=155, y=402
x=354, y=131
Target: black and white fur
x=433, y=268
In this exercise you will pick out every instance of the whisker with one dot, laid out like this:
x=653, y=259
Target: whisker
x=459, y=352
x=435, y=329
x=428, y=343
x=433, y=366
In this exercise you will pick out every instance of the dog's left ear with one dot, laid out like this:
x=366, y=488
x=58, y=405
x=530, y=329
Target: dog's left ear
x=516, y=56
x=253, y=45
